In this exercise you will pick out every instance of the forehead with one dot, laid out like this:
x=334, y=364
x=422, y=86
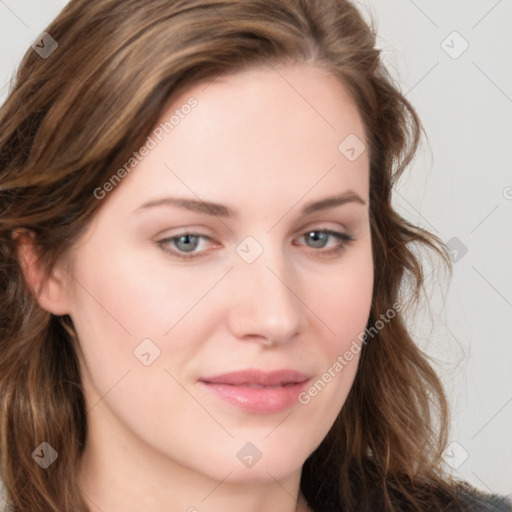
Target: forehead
x=265, y=136
x=269, y=107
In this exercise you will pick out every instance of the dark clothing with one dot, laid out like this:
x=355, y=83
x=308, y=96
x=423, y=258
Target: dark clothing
x=479, y=501
x=470, y=500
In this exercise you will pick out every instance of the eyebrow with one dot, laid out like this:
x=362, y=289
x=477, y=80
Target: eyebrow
x=220, y=210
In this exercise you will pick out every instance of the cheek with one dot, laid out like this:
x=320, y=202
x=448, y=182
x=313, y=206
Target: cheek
x=344, y=306
x=111, y=310
x=345, y=300
x=128, y=295
x=122, y=301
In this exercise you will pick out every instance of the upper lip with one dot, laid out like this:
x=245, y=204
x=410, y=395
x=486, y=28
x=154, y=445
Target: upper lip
x=258, y=378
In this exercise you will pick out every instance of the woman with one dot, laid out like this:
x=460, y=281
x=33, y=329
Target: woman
x=202, y=272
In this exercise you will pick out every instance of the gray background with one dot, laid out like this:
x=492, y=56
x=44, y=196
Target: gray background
x=459, y=187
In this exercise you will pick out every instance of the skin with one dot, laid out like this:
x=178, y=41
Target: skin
x=263, y=142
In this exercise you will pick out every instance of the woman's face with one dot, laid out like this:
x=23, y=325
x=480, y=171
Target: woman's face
x=261, y=285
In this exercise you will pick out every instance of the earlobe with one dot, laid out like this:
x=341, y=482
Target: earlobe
x=50, y=291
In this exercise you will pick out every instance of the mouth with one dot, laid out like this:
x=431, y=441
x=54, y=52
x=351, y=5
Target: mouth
x=257, y=391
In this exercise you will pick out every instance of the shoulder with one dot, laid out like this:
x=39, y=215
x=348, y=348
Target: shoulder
x=453, y=496
x=474, y=500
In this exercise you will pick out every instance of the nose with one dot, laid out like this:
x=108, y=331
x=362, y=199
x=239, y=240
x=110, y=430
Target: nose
x=266, y=306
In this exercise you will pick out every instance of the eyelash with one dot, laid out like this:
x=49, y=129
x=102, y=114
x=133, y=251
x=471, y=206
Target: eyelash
x=343, y=239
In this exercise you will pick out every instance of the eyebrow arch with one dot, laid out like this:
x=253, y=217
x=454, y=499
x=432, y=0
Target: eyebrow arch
x=220, y=210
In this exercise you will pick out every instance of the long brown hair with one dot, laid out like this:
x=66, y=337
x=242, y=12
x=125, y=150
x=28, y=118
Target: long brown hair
x=78, y=114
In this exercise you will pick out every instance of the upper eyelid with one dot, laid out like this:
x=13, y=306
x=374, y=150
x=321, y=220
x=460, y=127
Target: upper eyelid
x=302, y=232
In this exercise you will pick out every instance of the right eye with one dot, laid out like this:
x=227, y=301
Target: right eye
x=183, y=245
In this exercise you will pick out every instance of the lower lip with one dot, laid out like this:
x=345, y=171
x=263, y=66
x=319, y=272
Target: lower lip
x=258, y=400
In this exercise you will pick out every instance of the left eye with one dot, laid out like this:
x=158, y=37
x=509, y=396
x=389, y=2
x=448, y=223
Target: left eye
x=187, y=243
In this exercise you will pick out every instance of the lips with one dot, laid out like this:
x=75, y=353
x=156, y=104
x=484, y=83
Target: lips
x=257, y=391
x=258, y=378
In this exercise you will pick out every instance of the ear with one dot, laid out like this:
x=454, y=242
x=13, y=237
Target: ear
x=50, y=292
